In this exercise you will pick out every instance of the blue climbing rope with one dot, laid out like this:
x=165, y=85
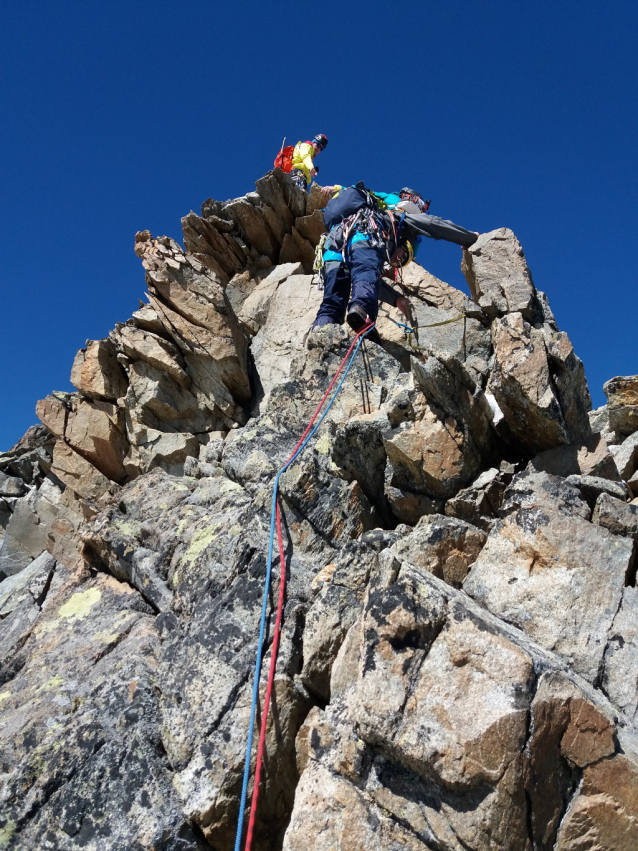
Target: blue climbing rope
x=264, y=608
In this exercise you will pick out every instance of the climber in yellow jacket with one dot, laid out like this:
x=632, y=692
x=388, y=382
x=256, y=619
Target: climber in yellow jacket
x=303, y=168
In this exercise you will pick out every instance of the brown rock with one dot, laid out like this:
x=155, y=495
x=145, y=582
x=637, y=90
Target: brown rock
x=96, y=431
x=201, y=236
x=311, y=227
x=296, y=249
x=443, y=546
x=294, y=196
x=77, y=473
x=429, y=457
x=225, y=367
x=604, y=814
x=52, y=411
x=274, y=223
x=567, y=730
x=498, y=276
x=550, y=572
x=253, y=226
x=522, y=385
x=614, y=514
x=96, y=372
x=622, y=396
x=272, y=195
x=146, y=346
x=568, y=375
x=436, y=293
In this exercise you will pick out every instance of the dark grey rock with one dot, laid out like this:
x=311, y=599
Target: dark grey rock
x=614, y=514
x=592, y=486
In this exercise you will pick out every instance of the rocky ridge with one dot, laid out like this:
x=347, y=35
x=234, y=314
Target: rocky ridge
x=459, y=658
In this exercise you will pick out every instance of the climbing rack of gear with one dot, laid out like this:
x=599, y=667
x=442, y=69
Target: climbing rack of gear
x=275, y=522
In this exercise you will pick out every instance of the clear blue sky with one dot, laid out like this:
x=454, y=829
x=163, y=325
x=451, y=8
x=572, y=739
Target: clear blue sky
x=120, y=115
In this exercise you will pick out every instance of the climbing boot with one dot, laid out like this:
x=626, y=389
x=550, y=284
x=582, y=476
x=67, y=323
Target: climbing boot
x=357, y=318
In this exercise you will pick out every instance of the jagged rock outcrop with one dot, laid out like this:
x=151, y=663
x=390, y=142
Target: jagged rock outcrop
x=459, y=658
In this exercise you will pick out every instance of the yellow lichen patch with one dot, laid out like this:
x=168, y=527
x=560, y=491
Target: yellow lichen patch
x=198, y=543
x=186, y=520
x=6, y=834
x=54, y=682
x=4, y=695
x=323, y=444
x=108, y=636
x=126, y=526
x=80, y=604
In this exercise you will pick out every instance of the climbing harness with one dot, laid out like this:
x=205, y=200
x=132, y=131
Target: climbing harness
x=275, y=520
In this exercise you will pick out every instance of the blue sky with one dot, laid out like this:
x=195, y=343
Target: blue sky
x=121, y=115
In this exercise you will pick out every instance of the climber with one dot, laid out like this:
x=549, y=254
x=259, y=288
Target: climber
x=366, y=230
x=303, y=169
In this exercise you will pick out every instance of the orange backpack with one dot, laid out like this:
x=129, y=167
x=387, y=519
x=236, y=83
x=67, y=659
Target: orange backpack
x=283, y=160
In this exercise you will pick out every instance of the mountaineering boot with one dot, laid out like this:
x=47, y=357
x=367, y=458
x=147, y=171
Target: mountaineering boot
x=357, y=318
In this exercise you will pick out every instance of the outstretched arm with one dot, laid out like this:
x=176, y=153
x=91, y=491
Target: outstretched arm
x=422, y=224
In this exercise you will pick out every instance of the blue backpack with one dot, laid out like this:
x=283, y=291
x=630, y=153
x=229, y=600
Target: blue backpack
x=347, y=202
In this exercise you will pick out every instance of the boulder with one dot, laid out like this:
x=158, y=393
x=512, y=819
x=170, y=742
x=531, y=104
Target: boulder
x=551, y=573
x=522, y=385
x=436, y=293
x=466, y=339
x=12, y=486
x=432, y=456
x=604, y=810
x=444, y=546
x=78, y=474
x=568, y=377
x=592, y=486
x=498, y=276
x=626, y=456
x=480, y=503
x=591, y=458
x=614, y=514
x=95, y=430
x=568, y=731
x=622, y=403
x=96, y=372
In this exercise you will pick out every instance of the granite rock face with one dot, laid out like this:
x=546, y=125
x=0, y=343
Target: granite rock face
x=458, y=666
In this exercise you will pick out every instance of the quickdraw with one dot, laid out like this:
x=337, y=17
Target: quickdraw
x=318, y=264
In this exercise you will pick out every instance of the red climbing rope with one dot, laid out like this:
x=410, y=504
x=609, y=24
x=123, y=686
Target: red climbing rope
x=271, y=679
x=280, y=605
